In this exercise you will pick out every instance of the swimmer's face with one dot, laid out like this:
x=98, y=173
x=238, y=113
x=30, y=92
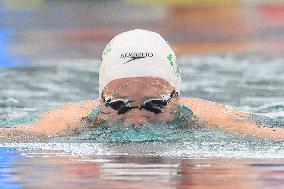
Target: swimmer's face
x=135, y=92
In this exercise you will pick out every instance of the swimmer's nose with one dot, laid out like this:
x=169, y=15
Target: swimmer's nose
x=135, y=104
x=134, y=117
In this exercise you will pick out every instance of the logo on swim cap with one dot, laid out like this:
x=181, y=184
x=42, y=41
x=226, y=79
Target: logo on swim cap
x=107, y=48
x=171, y=60
x=135, y=55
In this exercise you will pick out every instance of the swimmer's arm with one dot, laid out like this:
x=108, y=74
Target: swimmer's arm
x=62, y=121
x=230, y=120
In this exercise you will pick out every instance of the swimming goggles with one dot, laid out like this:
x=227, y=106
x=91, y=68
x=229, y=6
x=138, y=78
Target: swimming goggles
x=124, y=105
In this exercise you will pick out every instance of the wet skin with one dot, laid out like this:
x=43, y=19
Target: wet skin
x=68, y=119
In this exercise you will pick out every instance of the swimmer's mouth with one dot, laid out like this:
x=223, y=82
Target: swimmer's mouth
x=145, y=116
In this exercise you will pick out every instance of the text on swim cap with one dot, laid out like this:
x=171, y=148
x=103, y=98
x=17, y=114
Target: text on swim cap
x=136, y=55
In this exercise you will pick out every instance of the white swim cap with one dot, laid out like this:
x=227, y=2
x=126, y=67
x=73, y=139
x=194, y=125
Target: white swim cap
x=138, y=53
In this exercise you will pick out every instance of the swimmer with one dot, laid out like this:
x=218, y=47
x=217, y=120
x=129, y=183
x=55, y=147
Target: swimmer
x=140, y=83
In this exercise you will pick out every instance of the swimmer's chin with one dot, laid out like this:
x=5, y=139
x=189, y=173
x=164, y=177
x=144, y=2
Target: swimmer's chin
x=142, y=121
x=136, y=121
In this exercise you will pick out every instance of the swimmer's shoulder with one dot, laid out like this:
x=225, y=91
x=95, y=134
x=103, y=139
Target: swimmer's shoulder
x=196, y=103
x=72, y=109
x=88, y=106
x=61, y=120
x=208, y=110
x=190, y=101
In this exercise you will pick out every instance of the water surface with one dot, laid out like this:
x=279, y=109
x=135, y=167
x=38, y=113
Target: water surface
x=230, y=54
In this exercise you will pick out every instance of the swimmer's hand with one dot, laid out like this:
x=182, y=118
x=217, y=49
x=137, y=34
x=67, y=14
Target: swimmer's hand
x=230, y=120
x=62, y=121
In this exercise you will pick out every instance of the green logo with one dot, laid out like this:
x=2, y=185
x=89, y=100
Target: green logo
x=171, y=60
x=107, y=49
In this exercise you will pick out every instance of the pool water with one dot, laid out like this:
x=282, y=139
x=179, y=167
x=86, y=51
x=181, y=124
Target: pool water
x=45, y=169
x=168, y=157
x=50, y=56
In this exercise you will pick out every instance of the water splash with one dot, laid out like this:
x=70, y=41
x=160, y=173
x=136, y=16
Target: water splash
x=117, y=132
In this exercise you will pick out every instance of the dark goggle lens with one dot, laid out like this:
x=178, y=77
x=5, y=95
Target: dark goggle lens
x=155, y=106
x=119, y=105
x=157, y=103
x=116, y=105
x=124, y=109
